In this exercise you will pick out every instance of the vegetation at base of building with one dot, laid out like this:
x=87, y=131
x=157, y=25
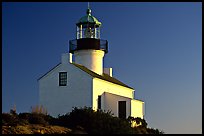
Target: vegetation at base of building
x=81, y=120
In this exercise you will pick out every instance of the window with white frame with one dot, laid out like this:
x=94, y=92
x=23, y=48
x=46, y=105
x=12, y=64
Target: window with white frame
x=62, y=78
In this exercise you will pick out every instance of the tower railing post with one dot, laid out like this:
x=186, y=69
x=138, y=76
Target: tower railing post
x=80, y=31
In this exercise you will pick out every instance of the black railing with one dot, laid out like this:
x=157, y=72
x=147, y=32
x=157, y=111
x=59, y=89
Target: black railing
x=88, y=43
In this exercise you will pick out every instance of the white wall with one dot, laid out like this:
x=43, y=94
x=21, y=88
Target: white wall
x=111, y=102
x=101, y=86
x=60, y=99
x=137, y=108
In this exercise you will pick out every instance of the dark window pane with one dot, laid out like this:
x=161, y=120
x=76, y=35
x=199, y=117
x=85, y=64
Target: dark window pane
x=62, y=78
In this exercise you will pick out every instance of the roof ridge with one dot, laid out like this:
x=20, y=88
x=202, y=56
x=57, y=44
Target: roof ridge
x=105, y=77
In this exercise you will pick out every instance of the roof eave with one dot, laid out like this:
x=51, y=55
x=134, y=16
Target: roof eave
x=48, y=71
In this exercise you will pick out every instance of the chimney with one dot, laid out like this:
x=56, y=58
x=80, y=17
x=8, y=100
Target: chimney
x=66, y=57
x=108, y=71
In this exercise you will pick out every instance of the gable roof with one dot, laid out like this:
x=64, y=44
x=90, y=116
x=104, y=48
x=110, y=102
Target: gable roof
x=105, y=77
x=48, y=71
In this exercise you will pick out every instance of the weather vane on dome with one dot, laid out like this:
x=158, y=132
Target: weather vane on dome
x=88, y=5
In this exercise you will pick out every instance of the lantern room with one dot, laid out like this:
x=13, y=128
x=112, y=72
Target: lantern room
x=88, y=35
x=88, y=27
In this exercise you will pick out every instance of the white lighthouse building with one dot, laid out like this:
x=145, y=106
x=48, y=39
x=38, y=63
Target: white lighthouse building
x=83, y=81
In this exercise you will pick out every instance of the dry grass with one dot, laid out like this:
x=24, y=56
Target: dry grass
x=35, y=129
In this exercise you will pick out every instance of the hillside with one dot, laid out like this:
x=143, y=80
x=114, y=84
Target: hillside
x=79, y=121
x=40, y=129
x=35, y=129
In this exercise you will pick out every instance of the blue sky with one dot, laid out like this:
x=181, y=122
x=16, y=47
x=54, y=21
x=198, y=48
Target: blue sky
x=153, y=47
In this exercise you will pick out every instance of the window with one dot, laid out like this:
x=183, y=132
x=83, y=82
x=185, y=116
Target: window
x=62, y=78
x=99, y=102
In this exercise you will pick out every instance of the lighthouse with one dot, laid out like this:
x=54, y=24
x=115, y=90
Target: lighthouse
x=84, y=82
x=88, y=49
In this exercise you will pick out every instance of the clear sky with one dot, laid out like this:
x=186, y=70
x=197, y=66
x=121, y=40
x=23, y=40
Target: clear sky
x=153, y=47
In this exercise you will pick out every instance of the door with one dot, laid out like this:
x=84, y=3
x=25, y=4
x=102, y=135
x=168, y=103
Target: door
x=99, y=102
x=122, y=109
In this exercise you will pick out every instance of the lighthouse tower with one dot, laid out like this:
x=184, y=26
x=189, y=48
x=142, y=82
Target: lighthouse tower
x=88, y=49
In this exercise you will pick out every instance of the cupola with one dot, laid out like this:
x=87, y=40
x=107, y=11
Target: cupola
x=88, y=34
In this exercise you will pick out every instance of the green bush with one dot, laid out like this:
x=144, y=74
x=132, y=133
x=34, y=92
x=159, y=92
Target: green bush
x=95, y=122
x=51, y=120
x=36, y=118
x=24, y=116
x=9, y=119
x=140, y=122
x=101, y=122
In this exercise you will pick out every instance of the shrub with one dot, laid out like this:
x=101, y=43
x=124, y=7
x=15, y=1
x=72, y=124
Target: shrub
x=35, y=118
x=95, y=122
x=51, y=120
x=24, y=116
x=9, y=119
x=139, y=122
